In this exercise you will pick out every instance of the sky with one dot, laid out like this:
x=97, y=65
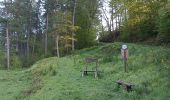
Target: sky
x=106, y=7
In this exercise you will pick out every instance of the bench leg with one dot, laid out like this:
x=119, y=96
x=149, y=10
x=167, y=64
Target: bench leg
x=118, y=85
x=82, y=74
x=128, y=88
x=95, y=74
x=85, y=71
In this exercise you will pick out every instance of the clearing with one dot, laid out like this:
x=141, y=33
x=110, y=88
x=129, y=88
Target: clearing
x=60, y=78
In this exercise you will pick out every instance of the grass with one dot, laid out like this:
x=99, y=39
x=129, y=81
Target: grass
x=60, y=78
x=12, y=83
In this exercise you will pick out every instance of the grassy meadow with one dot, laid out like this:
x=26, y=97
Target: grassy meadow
x=60, y=78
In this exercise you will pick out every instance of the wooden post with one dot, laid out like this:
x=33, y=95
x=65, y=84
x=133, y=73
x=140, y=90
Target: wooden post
x=125, y=65
x=124, y=53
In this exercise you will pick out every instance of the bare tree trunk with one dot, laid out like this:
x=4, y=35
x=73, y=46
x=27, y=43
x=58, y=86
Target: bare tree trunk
x=112, y=22
x=46, y=34
x=7, y=39
x=8, y=46
x=66, y=42
x=118, y=22
x=33, y=47
x=17, y=44
x=116, y=17
x=57, y=45
x=74, y=12
x=125, y=15
x=107, y=20
x=29, y=31
x=102, y=30
x=28, y=49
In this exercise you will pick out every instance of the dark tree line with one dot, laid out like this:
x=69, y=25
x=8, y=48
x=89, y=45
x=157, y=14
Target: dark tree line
x=34, y=29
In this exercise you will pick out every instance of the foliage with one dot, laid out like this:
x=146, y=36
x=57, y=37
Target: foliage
x=109, y=37
x=164, y=23
x=136, y=20
x=16, y=62
x=86, y=20
x=35, y=25
x=2, y=60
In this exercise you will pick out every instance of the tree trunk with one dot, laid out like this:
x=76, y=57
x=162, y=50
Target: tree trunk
x=8, y=46
x=74, y=12
x=29, y=31
x=112, y=20
x=7, y=39
x=28, y=49
x=17, y=44
x=46, y=35
x=118, y=22
x=33, y=47
x=57, y=45
x=125, y=15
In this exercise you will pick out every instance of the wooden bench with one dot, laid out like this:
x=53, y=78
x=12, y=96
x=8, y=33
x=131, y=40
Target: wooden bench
x=128, y=87
x=95, y=70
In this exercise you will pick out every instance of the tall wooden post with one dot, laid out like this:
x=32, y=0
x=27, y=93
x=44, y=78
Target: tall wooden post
x=124, y=53
x=125, y=65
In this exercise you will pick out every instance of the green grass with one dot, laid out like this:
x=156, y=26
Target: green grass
x=60, y=78
x=12, y=83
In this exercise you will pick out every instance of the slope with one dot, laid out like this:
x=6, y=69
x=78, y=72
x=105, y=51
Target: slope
x=60, y=78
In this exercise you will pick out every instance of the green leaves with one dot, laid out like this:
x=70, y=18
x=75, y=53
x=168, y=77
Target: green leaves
x=141, y=19
x=164, y=23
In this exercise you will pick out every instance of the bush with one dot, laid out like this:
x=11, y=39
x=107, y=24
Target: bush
x=138, y=32
x=2, y=60
x=110, y=52
x=109, y=37
x=15, y=62
x=164, y=23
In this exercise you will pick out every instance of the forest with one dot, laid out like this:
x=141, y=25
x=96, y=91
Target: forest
x=43, y=44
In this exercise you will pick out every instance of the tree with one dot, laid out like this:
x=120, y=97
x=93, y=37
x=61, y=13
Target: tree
x=163, y=24
x=73, y=21
x=7, y=33
x=86, y=19
x=37, y=27
x=136, y=20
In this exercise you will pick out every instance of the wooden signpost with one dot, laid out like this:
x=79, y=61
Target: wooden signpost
x=124, y=53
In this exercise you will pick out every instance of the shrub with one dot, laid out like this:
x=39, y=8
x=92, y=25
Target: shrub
x=110, y=52
x=2, y=60
x=163, y=25
x=15, y=62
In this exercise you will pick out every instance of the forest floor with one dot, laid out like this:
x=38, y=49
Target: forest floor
x=60, y=78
